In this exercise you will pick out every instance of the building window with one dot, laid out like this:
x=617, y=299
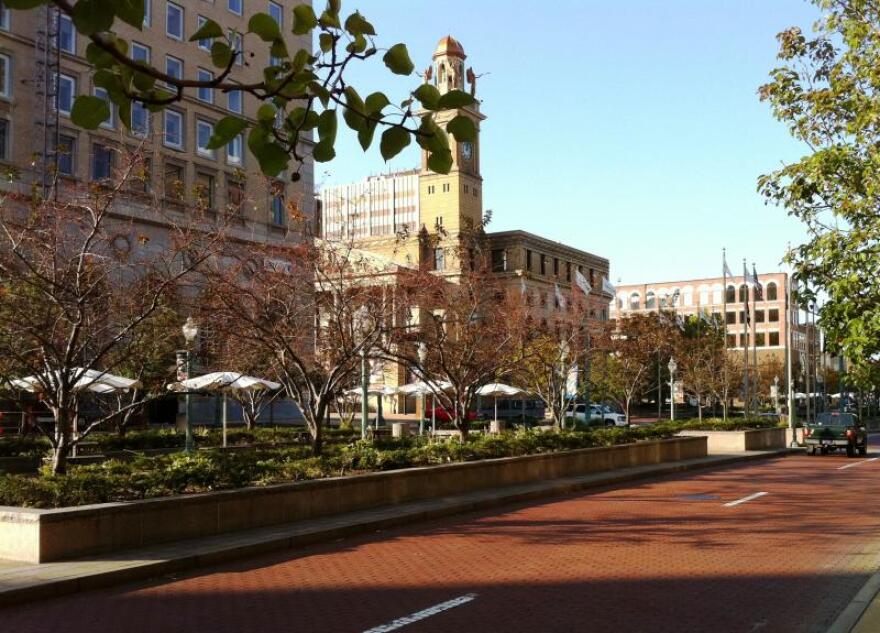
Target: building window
x=205, y=191
x=466, y=190
x=5, y=76
x=205, y=94
x=173, y=68
x=731, y=318
x=771, y=291
x=65, y=154
x=236, y=43
x=743, y=293
x=173, y=182
x=234, y=193
x=277, y=13
x=650, y=300
x=148, y=12
x=4, y=17
x=445, y=187
x=278, y=214
x=66, y=34
x=109, y=124
x=759, y=316
x=234, y=101
x=759, y=339
x=4, y=139
x=731, y=340
x=235, y=6
x=774, y=339
x=499, y=260
x=528, y=259
x=142, y=177
x=204, y=130
x=235, y=151
x=731, y=294
x=439, y=259
x=543, y=264
x=556, y=267
x=66, y=93
x=773, y=315
x=204, y=44
x=140, y=119
x=173, y=129
x=174, y=21
x=103, y=161
x=567, y=271
x=743, y=340
x=476, y=192
x=140, y=53
x=634, y=301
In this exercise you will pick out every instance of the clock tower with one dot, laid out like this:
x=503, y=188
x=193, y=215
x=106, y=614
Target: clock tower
x=451, y=203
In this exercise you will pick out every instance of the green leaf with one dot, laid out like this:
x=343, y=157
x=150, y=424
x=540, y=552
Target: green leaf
x=221, y=54
x=440, y=162
x=266, y=112
x=98, y=57
x=143, y=81
x=330, y=19
x=278, y=49
x=265, y=26
x=273, y=159
x=428, y=96
x=325, y=41
x=321, y=92
x=398, y=61
x=376, y=102
x=357, y=25
x=93, y=16
x=304, y=19
x=324, y=152
x=354, y=113
x=394, y=140
x=131, y=12
x=463, y=129
x=208, y=31
x=89, y=112
x=327, y=126
x=455, y=99
x=366, y=133
x=225, y=130
x=432, y=138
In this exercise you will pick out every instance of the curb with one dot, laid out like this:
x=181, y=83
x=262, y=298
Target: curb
x=167, y=559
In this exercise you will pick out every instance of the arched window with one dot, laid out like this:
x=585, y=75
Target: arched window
x=687, y=296
x=650, y=301
x=620, y=303
x=771, y=291
x=704, y=295
x=743, y=293
x=731, y=294
x=634, y=301
x=664, y=299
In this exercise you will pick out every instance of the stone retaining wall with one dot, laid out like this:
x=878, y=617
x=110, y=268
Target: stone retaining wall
x=38, y=536
x=723, y=442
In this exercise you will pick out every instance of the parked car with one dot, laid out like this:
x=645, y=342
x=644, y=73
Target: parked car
x=599, y=415
x=833, y=430
x=511, y=409
x=442, y=415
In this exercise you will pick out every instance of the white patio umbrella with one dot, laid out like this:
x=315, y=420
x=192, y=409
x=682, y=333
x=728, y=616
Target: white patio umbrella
x=86, y=380
x=422, y=388
x=500, y=390
x=224, y=382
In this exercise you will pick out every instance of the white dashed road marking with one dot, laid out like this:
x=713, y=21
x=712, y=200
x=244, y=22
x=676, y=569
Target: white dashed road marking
x=864, y=461
x=421, y=615
x=744, y=499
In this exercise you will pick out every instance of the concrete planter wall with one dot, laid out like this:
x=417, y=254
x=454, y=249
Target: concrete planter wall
x=46, y=535
x=721, y=442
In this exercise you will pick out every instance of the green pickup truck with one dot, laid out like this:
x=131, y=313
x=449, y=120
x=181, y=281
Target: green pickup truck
x=835, y=430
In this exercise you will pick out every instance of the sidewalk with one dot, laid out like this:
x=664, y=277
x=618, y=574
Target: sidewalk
x=20, y=582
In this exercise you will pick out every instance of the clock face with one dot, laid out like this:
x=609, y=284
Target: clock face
x=467, y=150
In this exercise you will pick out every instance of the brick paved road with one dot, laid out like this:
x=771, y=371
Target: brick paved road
x=659, y=555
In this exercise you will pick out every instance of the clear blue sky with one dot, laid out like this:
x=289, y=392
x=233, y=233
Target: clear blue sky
x=628, y=129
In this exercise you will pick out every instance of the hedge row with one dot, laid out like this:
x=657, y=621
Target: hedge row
x=179, y=473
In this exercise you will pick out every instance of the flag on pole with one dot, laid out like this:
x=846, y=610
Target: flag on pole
x=746, y=281
x=522, y=286
x=560, y=299
x=727, y=272
x=582, y=282
x=759, y=289
x=607, y=287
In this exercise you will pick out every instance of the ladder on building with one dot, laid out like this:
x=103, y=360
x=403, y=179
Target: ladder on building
x=46, y=69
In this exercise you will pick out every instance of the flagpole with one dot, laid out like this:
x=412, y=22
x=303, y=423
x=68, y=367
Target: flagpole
x=724, y=317
x=788, y=359
x=756, y=374
x=745, y=342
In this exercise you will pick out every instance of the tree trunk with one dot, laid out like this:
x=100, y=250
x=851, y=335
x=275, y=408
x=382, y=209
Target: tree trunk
x=317, y=440
x=59, y=458
x=62, y=441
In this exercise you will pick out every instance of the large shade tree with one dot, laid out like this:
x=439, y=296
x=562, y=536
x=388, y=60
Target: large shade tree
x=826, y=92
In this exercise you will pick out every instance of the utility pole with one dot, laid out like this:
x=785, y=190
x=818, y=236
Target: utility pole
x=789, y=338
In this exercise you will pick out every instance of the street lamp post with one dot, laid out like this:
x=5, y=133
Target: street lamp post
x=190, y=331
x=423, y=357
x=365, y=380
x=776, y=394
x=672, y=367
